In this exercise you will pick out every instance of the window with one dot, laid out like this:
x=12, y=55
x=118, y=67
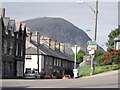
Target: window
x=17, y=35
x=59, y=62
x=54, y=62
x=10, y=48
x=12, y=30
x=28, y=57
x=63, y=63
x=5, y=47
x=16, y=49
x=51, y=61
x=11, y=65
x=46, y=61
x=21, y=50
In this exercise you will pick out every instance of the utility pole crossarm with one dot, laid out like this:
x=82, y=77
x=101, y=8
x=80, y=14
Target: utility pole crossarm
x=90, y=8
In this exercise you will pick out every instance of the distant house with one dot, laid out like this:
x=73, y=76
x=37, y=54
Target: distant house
x=12, y=46
x=117, y=42
x=52, y=56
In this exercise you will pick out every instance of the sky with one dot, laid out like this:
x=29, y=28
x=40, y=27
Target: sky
x=78, y=14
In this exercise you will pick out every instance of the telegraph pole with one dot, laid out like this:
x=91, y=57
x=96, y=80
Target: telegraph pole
x=95, y=37
x=95, y=11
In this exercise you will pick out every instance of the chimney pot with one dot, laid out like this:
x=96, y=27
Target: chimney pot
x=2, y=12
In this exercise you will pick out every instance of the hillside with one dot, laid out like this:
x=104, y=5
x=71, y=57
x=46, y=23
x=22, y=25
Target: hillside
x=60, y=30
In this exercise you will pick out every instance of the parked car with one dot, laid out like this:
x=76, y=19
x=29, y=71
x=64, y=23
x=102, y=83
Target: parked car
x=66, y=77
x=31, y=74
x=49, y=77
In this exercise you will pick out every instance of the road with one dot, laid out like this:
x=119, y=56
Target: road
x=105, y=80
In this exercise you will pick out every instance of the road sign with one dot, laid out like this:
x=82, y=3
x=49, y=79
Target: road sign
x=91, y=52
x=74, y=49
x=92, y=48
x=91, y=43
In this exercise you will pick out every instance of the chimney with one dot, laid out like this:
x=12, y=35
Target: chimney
x=62, y=47
x=53, y=45
x=28, y=38
x=28, y=34
x=45, y=40
x=34, y=36
x=58, y=45
x=2, y=12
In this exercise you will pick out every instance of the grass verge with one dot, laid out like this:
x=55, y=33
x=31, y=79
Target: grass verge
x=100, y=69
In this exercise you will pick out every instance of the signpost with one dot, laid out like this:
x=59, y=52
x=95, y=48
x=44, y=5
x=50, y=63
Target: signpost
x=91, y=52
x=92, y=45
x=89, y=43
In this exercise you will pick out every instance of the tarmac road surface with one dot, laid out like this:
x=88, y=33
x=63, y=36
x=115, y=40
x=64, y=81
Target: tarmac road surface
x=104, y=80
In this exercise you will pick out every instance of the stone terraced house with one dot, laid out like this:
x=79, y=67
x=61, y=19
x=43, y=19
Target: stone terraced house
x=12, y=46
x=52, y=56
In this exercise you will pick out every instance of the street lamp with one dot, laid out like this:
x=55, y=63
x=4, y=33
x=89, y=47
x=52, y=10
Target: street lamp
x=75, y=49
x=95, y=11
x=38, y=43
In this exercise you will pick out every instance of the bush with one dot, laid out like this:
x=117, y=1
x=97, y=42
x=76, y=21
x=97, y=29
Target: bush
x=109, y=49
x=100, y=59
x=112, y=57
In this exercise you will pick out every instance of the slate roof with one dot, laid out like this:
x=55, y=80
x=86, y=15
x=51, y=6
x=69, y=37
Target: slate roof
x=47, y=51
x=32, y=50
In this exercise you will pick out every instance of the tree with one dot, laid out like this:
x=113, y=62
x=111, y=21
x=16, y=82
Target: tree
x=111, y=36
x=80, y=56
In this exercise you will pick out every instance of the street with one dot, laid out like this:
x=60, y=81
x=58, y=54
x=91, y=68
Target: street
x=105, y=80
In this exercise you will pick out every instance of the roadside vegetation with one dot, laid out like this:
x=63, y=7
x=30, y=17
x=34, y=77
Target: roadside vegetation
x=100, y=69
x=106, y=61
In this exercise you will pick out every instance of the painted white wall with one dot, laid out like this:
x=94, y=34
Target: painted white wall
x=32, y=63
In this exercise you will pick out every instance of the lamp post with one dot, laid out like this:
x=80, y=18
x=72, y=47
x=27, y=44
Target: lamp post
x=75, y=49
x=95, y=11
x=38, y=43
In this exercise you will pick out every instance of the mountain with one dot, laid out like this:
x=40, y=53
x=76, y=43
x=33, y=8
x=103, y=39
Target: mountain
x=60, y=30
